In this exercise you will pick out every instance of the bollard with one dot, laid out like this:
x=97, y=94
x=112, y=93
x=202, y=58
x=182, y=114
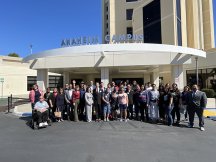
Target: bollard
x=11, y=101
x=8, y=104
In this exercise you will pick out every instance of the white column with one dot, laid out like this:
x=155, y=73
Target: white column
x=42, y=79
x=147, y=78
x=177, y=76
x=66, y=76
x=155, y=77
x=105, y=76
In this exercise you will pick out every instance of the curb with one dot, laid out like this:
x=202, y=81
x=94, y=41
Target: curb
x=21, y=114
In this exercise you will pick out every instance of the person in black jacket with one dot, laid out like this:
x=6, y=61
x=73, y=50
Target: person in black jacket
x=136, y=102
x=196, y=101
x=60, y=105
x=97, y=94
x=176, y=101
x=130, y=94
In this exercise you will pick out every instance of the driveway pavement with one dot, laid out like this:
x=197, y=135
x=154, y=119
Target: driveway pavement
x=105, y=142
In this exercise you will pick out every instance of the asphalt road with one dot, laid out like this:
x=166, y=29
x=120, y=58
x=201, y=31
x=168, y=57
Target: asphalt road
x=105, y=142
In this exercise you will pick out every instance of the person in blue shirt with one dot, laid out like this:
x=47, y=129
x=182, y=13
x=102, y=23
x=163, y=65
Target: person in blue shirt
x=41, y=108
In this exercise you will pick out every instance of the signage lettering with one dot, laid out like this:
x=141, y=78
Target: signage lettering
x=122, y=38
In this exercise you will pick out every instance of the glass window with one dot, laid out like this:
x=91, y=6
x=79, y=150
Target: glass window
x=131, y=0
x=31, y=80
x=178, y=8
x=179, y=28
x=179, y=32
x=207, y=78
x=129, y=14
x=55, y=82
x=152, y=22
x=130, y=30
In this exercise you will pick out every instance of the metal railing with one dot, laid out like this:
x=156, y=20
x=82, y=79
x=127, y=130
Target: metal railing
x=15, y=101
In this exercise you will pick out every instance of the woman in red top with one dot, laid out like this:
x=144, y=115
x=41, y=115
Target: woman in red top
x=76, y=101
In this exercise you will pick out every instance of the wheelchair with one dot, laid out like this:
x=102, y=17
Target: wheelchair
x=34, y=123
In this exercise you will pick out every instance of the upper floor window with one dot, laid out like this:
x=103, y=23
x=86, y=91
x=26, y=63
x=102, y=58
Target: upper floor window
x=129, y=14
x=131, y=0
x=179, y=28
x=130, y=30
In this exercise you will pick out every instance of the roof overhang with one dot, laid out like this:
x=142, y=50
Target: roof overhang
x=106, y=55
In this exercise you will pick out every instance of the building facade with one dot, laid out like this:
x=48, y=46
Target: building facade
x=187, y=23
x=145, y=40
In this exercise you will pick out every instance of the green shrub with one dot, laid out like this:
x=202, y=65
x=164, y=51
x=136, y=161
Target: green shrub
x=210, y=93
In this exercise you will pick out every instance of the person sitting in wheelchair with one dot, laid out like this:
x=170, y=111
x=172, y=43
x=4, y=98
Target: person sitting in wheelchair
x=41, y=111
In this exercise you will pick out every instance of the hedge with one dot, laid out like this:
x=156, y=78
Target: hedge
x=210, y=93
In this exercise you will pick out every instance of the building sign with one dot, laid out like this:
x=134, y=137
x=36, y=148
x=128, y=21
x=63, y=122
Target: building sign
x=108, y=39
x=79, y=41
x=124, y=38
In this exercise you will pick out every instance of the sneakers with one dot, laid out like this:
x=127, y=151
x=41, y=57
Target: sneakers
x=41, y=125
x=190, y=126
x=202, y=128
x=45, y=123
x=120, y=120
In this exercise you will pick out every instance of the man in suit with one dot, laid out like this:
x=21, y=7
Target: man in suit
x=197, y=101
x=68, y=99
x=97, y=95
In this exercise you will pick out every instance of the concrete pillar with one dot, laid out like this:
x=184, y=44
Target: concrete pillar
x=155, y=77
x=147, y=78
x=177, y=76
x=66, y=76
x=42, y=79
x=105, y=76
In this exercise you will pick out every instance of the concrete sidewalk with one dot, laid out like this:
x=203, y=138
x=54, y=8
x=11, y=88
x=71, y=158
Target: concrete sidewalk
x=23, y=110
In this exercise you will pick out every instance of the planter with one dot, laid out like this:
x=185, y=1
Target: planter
x=211, y=103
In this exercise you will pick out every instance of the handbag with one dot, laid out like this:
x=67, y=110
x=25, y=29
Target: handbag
x=57, y=114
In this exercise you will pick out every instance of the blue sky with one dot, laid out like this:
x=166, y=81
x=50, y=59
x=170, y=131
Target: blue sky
x=44, y=23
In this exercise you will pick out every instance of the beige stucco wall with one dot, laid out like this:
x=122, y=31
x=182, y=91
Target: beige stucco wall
x=208, y=24
x=15, y=75
x=196, y=21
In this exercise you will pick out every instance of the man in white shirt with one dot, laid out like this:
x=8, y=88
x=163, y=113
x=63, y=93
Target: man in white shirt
x=41, y=108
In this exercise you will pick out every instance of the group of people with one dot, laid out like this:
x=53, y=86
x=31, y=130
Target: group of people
x=121, y=102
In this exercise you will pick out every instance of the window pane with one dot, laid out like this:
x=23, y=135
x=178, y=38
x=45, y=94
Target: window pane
x=31, y=80
x=131, y=0
x=130, y=30
x=179, y=32
x=129, y=14
x=152, y=22
x=178, y=9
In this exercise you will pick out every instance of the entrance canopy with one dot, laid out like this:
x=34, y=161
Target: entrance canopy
x=113, y=55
